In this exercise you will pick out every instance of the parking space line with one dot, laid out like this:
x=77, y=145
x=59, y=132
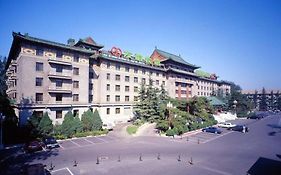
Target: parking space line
x=102, y=139
x=61, y=146
x=69, y=171
x=89, y=141
x=113, y=138
x=59, y=169
x=75, y=143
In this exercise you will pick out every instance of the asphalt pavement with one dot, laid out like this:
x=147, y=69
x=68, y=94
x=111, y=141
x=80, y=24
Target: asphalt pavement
x=229, y=153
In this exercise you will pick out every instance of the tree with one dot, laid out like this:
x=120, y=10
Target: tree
x=32, y=125
x=68, y=127
x=45, y=126
x=87, y=120
x=263, y=104
x=271, y=104
x=255, y=99
x=278, y=101
x=3, y=77
x=97, y=122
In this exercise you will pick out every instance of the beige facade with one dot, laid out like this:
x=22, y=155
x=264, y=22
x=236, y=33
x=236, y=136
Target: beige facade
x=44, y=76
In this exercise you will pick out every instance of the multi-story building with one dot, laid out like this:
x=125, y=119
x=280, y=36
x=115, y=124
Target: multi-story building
x=45, y=76
x=271, y=97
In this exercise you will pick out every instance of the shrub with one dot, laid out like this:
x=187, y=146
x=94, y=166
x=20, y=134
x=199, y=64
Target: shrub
x=97, y=122
x=170, y=132
x=45, y=126
x=162, y=125
x=87, y=120
x=68, y=127
x=132, y=129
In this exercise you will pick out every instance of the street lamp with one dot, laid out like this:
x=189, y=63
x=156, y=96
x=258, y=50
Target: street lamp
x=169, y=106
x=234, y=106
x=2, y=117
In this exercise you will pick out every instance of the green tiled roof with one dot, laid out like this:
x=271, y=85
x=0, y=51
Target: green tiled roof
x=43, y=41
x=175, y=58
x=215, y=101
x=201, y=73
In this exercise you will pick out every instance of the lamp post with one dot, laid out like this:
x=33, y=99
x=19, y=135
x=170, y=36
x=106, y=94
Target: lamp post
x=234, y=106
x=169, y=106
x=2, y=117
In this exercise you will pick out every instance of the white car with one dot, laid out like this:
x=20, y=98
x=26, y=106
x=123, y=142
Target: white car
x=108, y=126
x=226, y=125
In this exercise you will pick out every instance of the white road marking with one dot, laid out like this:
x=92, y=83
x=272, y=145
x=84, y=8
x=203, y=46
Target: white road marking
x=61, y=146
x=89, y=141
x=69, y=171
x=59, y=169
x=75, y=143
x=102, y=139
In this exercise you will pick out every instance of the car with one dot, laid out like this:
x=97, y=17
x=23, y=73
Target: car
x=212, y=130
x=226, y=125
x=32, y=146
x=50, y=142
x=109, y=126
x=256, y=116
x=240, y=128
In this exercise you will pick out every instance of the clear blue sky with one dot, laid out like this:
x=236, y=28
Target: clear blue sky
x=240, y=40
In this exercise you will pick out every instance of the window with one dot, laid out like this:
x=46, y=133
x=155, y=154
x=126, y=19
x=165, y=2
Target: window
x=117, y=97
x=117, y=87
x=117, y=66
x=58, y=97
x=163, y=82
x=39, y=66
x=108, y=87
x=127, y=69
x=38, y=113
x=59, y=68
x=38, y=81
x=76, y=113
x=136, y=89
x=127, y=78
x=136, y=80
x=117, y=77
x=39, y=51
x=117, y=110
x=127, y=88
x=108, y=76
x=59, y=114
x=157, y=74
x=91, y=86
x=107, y=110
x=90, y=98
x=157, y=82
x=59, y=54
x=39, y=97
x=75, y=84
x=198, y=93
x=59, y=83
x=143, y=80
x=135, y=70
x=75, y=71
x=150, y=73
x=143, y=71
x=107, y=97
x=76, y=58
x=91, y=75
x=75, y=97
x=135, y=98
x=108, y=65
x=127, y=98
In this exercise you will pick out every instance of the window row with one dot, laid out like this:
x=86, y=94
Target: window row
x=59, y=68
x=127, y=79
x=58, y=82
x=39, y=97
x=117, y=98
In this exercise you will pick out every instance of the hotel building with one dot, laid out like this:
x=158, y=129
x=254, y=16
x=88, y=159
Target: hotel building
x=45, y=76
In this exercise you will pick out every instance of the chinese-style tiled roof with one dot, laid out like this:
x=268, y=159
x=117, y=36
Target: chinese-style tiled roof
x=89, y=41
x=214, y=101
x=175, y=58
x=182, y=72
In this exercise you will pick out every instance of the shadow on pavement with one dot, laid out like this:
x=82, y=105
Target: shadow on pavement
x=265, y=166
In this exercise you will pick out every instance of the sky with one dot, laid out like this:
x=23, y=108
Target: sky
x=239, y=40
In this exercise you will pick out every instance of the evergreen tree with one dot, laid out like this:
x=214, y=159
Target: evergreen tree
x=142, y=106
x=45, y=126
x=271, y=100
x=278, y=101
x=78, y=124
x=263, y=104
x=97, y=122
x=68, y=126
x=3, y=77
x=32, y=124
x=87, y=120
x=255, y=99
x=163, y=95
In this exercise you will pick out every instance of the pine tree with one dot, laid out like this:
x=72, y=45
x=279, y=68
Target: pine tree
x=163, y=95
x=255, y=99
x=45, y=126
x=33, y=123
x=97, y=122
x=68, y=127
x=271, y=100
x=87, y=120
x=263, y=104
x=278, y=101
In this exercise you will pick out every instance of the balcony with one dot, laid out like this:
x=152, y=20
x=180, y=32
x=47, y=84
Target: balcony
x=13, y=62
x=60, y=75
x=62, y=90
x=59, y=61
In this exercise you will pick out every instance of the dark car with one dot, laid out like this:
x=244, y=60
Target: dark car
x=240, y=128
x=212, y=130
x=256, y=116
x=50, y=142
x=33, y=146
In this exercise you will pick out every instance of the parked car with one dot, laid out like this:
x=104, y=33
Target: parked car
x=50, y=142
x=240, y=128
x=256, y=116
x=32, y=146
x=226, y=125
x=212, y=130
x=108, y=126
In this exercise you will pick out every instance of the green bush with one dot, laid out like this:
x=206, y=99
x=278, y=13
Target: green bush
x=87, y=120
x=132, y=129
x=60, y=137
x=162, y=125
x=45, y=126
x=97, y=122
x=170, y=132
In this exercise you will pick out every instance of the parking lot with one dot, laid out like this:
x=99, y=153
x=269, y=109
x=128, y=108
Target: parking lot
x=85, y=141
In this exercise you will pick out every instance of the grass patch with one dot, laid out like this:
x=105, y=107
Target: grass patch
x=132, y=129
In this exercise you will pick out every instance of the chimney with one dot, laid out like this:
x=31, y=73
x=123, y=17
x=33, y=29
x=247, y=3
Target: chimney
x=71, y=41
